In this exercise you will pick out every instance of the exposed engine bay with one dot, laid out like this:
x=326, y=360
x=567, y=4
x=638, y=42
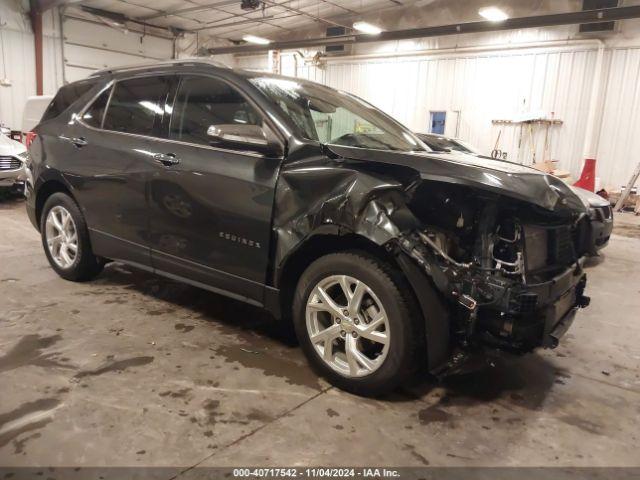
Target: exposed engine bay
x=490, y=254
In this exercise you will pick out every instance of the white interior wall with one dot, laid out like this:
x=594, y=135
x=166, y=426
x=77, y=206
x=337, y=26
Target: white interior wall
x=500, y=83
x=481, y=87
x=619, y=136
x=18, y=59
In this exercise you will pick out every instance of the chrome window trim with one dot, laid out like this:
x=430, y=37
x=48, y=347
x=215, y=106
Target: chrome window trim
x=113, y=82
x=178, y=142
x=92, y=101
x=107, y=105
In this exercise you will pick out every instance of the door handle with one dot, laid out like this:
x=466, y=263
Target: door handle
x=79, y=141
x=166, y=159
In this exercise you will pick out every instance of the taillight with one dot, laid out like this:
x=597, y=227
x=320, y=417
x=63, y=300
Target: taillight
x=30, y=137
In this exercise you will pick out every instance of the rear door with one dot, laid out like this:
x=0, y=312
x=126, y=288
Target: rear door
x=112, y=163
x=211, y=207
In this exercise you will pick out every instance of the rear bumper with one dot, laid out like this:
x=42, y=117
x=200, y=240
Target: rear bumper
x=31, y=204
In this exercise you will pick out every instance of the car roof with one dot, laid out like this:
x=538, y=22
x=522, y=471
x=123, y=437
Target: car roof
x=206, y=62
x=194, y=61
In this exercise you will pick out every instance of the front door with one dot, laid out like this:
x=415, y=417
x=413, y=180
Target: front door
x=211, y=207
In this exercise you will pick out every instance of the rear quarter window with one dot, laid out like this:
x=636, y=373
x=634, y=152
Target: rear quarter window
x=94, y=115
x=65, y=97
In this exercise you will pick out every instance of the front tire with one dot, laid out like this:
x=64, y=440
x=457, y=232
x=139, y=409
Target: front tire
x=357, y=323
x=65, y=239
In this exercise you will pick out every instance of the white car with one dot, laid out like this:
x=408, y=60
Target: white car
x=13, y=163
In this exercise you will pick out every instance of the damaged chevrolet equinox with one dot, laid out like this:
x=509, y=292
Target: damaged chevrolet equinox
x=389, y=258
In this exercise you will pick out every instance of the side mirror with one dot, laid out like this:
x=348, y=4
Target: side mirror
x=243, y=137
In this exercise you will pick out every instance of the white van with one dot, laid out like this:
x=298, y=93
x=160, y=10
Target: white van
x=33, y=110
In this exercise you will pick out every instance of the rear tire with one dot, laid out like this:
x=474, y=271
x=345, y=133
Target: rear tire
x=65, y=240
x=357, y=323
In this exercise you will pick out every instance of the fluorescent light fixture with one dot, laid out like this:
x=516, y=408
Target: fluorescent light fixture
x=254, y=39
x=367, y=28
x=493, y=14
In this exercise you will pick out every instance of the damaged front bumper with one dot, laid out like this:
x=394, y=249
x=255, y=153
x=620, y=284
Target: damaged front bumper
x=489, y=310
x=535, y=315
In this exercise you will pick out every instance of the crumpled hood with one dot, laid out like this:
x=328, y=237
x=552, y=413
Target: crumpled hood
x=9, y=147
x=503, y=178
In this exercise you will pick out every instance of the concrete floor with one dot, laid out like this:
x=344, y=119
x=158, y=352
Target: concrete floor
x=132, y=369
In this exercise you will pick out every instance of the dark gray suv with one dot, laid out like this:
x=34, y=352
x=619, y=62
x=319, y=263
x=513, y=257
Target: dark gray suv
x=388, y=258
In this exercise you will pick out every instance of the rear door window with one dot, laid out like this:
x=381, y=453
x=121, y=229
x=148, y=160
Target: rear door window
x=202, y=102
x=66, y=96
x=137, y=105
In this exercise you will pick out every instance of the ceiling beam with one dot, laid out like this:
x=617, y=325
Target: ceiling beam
x=193, y=9
x=44, y=5
x=242, y=21
x=215, y=6
x=306, y=14
x=122, y=19
x=539, y=21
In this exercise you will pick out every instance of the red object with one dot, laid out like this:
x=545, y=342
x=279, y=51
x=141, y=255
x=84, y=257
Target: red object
x=588, y=178
x=30, y=136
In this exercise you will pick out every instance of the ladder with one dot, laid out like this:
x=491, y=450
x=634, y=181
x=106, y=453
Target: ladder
x=627, y=190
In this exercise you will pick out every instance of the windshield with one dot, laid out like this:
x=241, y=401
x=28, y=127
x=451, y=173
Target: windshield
x=443, y=144
x=330, y=116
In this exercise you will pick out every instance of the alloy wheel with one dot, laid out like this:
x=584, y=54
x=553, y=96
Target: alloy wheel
x=61, y=236
x=347, y=325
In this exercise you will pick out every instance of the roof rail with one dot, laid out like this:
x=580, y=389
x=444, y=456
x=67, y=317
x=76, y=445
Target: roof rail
x=179, y=61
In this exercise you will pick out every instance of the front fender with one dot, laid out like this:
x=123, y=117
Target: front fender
x=336, y=199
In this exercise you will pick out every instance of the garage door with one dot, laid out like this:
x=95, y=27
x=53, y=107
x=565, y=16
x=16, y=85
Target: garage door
x=91, y=46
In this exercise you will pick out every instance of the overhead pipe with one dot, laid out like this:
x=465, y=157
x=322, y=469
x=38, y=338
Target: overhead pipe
x=595, y=43
x=552, y=20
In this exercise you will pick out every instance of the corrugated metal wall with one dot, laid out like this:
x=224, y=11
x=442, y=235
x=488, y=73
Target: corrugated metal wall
x=619, y=143
x=476, y=88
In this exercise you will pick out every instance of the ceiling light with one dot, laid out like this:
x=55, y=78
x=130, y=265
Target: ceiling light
x=367, y=28
x=493, y=14
x=254, y=39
